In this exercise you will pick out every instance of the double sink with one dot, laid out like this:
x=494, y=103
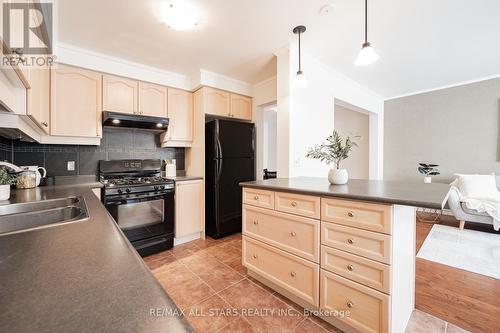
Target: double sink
x=26, y=216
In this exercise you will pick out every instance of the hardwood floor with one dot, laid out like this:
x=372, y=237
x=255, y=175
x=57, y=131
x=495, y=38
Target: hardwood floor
x=468, y=300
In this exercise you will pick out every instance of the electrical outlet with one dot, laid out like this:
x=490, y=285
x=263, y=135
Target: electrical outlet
x=70, y=166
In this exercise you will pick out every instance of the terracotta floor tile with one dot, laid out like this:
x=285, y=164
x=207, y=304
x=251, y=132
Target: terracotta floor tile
x=308, y=326
x=423, y=322
x=210, y=315
x=325, y=325
x=172, y=278
x=190, y=292
x=263, y=286
x=237, y=266
x=244, y=294
x=240, y=325
x=224, y=278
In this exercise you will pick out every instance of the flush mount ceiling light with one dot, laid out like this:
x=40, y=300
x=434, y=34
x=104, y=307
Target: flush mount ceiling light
x=300, y=79
x=179, y=15
x=115, y=121
x=367, y=55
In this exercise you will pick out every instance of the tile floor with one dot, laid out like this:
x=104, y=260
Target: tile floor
x=206, y=280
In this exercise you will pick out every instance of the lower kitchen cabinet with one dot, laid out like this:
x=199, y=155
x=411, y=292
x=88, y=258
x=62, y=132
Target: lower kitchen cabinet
x=75, y=108
x=189, y=207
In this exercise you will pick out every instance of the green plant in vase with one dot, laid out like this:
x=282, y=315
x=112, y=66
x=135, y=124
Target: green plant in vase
x=428, y=170
x=6, y=180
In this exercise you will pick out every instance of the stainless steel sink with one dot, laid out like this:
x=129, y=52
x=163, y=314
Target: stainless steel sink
x=40, y=214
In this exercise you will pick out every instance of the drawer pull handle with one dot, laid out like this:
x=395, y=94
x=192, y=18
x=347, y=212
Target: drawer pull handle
x=350, y=268
x=294, y=204
x=256, y=197
x=293, y=234
x=350, y=304
x=255, y=256
x=293, y=274
x=350, y=214
x=350, y=241
x=255, y=222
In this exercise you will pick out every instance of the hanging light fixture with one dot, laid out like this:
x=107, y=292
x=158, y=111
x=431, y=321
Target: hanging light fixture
x=300, y=79
x=367, y=55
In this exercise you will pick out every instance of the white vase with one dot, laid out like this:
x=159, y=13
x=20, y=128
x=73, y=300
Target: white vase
x=427, y=180
x=4, y=192
x=338, y=176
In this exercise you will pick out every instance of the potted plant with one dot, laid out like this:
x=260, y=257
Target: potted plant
x=428, y=170
x=333, y=151
x=6, y=179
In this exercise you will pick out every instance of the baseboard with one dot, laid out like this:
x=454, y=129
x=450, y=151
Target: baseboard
x=187, y=238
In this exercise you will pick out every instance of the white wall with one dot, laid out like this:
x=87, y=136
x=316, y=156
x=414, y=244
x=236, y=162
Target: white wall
x=264, y=93
x=349, y=122
x=270, y=135
x=306, y=115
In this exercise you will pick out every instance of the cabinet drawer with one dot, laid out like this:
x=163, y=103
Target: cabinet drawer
x=257, y=197
x=368, y=309
x=295, y=234
x=365, y=271
x=305, y=205
x=296, y=275
x=368, y=216
x=367, y=244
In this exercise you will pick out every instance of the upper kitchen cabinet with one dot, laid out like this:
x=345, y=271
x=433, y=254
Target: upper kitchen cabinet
x=38, y=97
x=181, y=116
x=119, y=94
x=152, y=100
x=216, y=102
x=241, y=107
x=75, y=108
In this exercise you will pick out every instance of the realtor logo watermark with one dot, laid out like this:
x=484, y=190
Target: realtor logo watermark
x=27, y=33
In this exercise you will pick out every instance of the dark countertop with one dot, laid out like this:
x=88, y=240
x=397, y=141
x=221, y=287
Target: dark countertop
x=78, y=277
x=392, y=192
x=186, y=178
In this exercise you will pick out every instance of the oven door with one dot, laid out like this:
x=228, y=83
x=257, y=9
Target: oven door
x=145, y=217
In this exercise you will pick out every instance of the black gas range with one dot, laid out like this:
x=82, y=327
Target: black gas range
x=140, y=201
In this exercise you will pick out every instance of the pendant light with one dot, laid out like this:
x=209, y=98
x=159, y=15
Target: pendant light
x=300, y=79
x=367, y=55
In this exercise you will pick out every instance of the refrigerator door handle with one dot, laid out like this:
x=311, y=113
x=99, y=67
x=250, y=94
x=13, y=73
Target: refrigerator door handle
x=219, y=147
x=219, y=170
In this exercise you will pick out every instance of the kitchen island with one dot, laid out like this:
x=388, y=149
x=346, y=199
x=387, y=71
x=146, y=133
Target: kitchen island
x=79, y=277
x=346, y=252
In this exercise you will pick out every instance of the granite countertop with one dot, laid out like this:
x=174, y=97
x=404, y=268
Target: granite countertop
x=83, y=276
x=391, y=192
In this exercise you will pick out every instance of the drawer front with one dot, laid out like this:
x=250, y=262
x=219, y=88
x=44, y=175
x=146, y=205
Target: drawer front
x=363, y=215
x=367, y=244
x=305, y=205
x=257, y=197
x=368, y=309
x=295, y=234
x=296, y=275
x=365, y=271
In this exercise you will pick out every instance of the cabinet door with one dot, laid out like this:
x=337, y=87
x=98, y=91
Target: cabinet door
x=180, y=114
x=152, y=100
x=38, y=97
x=217, y=102
x=119, y=94
x=75, y=108
x=241, y=107
x=188, y=207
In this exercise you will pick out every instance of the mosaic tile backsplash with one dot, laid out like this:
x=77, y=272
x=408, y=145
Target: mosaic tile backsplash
x=116, y=143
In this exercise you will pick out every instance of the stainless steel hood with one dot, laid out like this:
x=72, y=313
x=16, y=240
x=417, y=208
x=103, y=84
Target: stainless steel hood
x=116, y=119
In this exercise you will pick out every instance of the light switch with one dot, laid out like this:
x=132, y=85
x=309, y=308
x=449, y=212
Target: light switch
x=71, y=165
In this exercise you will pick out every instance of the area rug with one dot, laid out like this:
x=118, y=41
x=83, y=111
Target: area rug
x=473, y=251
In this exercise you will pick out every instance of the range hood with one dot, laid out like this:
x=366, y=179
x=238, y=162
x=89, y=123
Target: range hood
x=116, y=119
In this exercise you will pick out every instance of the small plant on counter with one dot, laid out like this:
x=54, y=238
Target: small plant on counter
x=334, y=151
x=6, y=179
x=428, y=170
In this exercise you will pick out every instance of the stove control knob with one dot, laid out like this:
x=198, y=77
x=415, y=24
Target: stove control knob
x=120, y=191
x=156, y=188
x=127, y=190
x=162, y=187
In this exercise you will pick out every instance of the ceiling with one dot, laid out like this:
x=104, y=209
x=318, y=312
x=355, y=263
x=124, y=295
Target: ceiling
x=422, y=44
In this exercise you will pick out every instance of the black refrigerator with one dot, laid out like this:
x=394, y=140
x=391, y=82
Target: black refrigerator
x=229, y=160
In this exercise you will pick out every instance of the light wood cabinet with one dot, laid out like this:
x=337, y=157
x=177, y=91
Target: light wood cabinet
x=189, y=207
x=38, y=97
x=241, y=107
x=305, y=205
x=217, y=102
x=181, y=119
x=152, y=100
x=119, y=94
x=75, y=108
x=258, y=197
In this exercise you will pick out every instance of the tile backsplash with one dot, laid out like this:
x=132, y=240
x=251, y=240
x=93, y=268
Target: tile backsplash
x=117, y=143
